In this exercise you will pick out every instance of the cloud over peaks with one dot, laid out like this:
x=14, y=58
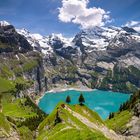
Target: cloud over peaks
x=134, y=24
x=77, y=12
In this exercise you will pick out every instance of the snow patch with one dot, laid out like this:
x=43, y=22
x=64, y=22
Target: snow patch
x=4, y=23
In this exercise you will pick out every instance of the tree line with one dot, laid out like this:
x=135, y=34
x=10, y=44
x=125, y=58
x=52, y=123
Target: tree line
x=130, y=104
x=81, y=99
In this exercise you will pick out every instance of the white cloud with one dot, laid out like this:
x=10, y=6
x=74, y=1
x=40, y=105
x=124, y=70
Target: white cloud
x=76, y=11
x=137, y=28
x=134, y=24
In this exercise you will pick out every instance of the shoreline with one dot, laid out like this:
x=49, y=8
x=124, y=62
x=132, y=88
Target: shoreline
x=57, y=90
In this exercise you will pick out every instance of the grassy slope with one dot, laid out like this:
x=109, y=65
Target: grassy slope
x=15, y=108
x=10, y=106
x=70, y=127
x=4, y=126
x=25, y=133
x=119, y=121
x=89, y=114
x=17, y=111
x=14, y=66
x=5, y=85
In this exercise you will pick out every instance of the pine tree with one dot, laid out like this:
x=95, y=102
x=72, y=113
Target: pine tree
x=68, y=99
x=57, y=119
x=121, y=107
x=81, y=99
x=19, y=87
x=111, y=115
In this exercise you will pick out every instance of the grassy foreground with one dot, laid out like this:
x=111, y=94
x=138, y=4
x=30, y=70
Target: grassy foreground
x=19, y=117
x=68, y=127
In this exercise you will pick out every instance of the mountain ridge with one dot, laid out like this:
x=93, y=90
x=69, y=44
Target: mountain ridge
x=97, y=35
x=90, y=58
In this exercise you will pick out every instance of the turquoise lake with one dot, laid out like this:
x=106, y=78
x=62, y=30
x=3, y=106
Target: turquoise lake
x=103, y=102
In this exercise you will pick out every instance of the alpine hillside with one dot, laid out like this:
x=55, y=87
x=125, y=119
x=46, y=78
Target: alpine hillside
x=105, y=58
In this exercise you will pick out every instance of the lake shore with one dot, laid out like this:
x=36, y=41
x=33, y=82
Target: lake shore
x=102, y=102
x=57, y=90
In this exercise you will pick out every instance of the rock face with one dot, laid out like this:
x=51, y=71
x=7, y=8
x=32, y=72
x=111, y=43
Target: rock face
x=17, y=58
x=11, y=41
x=133, y=127
x=137, y=110
x=110, y=56
x=103, y=57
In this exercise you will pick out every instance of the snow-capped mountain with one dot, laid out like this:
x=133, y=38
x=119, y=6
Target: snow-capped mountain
x=87, y=41
x=114, y=41
x=54, y=38
x=95, y=39
x=99, y=38
x=4, y=23
x=45, y=44
x=37, y=41
x=99, y=50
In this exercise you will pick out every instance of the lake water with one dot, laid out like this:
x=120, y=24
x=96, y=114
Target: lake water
x=103, y=102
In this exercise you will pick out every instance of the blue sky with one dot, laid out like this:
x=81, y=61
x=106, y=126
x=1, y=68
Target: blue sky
x=44, y=17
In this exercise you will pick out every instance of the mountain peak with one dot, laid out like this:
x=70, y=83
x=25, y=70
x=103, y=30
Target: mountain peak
x=4, y=23
x=37, y=36
x=23, y=31
x=129, y=30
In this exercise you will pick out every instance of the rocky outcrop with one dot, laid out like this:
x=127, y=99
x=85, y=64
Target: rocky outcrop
x=133, y=127
x=18, y=60
x=137, y=110
x=11, y=41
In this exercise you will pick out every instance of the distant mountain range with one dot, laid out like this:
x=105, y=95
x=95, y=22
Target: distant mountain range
x=106, y=58
x=96, y=39
x=103, y=57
